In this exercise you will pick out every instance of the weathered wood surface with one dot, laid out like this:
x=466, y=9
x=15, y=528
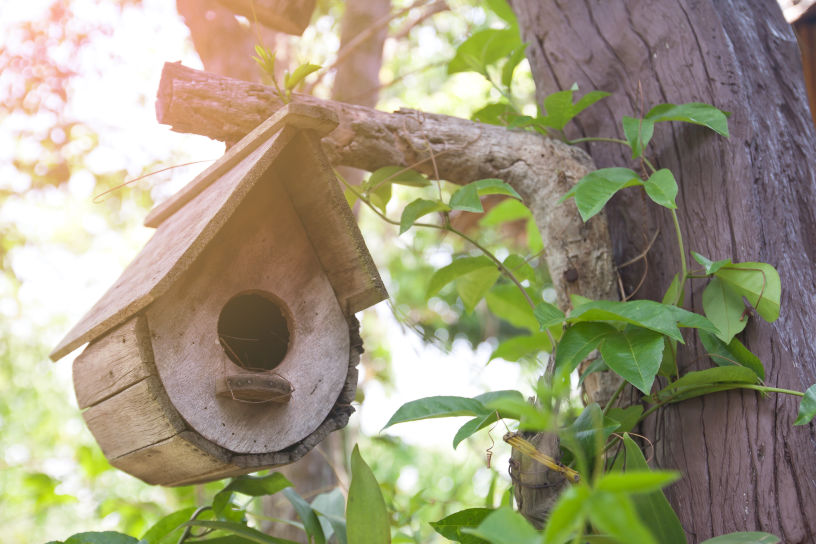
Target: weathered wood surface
x=114, y=362
x=301, y=116
x=539, y=168
x=751, y=197
x=141, y=432
x=263, y=248
x=190, y=228
x=138, y=417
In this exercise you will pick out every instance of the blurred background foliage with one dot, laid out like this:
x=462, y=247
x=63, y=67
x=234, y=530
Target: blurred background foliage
x=77, y=79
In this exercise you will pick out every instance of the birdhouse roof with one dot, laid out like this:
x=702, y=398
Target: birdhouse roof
x=189, y=220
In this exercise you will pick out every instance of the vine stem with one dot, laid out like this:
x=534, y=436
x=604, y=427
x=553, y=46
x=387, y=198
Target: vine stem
x=683, y=264
x=614, y=396
x=597, y=139
x=447, y=227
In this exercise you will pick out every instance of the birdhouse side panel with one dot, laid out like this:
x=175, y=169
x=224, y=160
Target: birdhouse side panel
x=113, y=363
x=262, y=254
x=330, y=225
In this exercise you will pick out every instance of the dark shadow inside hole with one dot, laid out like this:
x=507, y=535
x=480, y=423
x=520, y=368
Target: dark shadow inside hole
x=253, y=331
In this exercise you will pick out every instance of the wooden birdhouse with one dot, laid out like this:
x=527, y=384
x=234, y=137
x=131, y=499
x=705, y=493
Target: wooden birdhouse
x=229, y=344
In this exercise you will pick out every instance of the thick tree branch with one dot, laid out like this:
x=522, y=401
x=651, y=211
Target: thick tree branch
x=539, y=168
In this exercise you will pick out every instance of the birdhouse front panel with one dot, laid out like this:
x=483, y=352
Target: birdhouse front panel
x=229, y=344
x=286, y=320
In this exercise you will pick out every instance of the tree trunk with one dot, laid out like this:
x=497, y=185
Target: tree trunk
x=750, y=198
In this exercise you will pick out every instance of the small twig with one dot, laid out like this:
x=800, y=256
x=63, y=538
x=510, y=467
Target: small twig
x=359, y=39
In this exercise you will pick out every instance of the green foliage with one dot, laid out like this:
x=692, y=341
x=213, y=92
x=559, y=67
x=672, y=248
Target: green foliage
x=451, y=527
x=744, y=538
x=807, y=407
x=366, y=515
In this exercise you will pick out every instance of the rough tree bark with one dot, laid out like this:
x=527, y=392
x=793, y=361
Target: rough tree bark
x=751, y=197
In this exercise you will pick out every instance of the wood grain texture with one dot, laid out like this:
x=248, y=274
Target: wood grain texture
x=135, y=418
x=331, y=226
x=303, y=116
x=173, y=248
x=539, y=168
x=114, y=362
x=262, y=249
x=174, y=461
x=751, y=197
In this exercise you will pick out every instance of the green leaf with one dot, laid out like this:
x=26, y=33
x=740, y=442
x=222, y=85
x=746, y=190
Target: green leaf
x=673, y=294
x=668, y=366
x=367, y=519
x=615, y=514
x=594, y=190
x=439, y=406
x=494, y=186
x=589, y=429
x=578, y=341
x=505, y=526
x=744, y=538
x=380, y=196
x=166, y=525
x=504, y=212
x=655, y=511
x=757, y=282
x=300, y=73
x=560, y=109
x=503, y=10
x=331, y=507
x=724, y=308
x=398, y=175
x=807, y=407
x=417, y=209
x=638, y=133
x=529, y=416
x=636, y=481
x=693, y=112
x=239, y=529
x=101, y=537
x=548, y=315
x=520, y=268
x=472, y=287
x=568, y=514
x=253, y=486
x=634, y=354
x=511, y=64
x=466, y=199
x=451, y=526
x=507, y=302
x=484, y=48
x=307, y=516
x=734, y=353
x=474, y=425
x=710, y=380
x=626, y=417
x=497, y=113
x=662, y=188
x=710, y=266
x=519, y=347
x=649, y=314
x=459, y=267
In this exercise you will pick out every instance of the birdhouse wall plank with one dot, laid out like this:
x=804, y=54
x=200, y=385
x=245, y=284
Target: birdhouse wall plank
x=113, y=363
x=179, y=460
x=262, y=249
x=135, y=418
x=331, y=227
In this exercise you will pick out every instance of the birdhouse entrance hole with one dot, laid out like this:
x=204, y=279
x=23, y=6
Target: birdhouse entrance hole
x=253, y=330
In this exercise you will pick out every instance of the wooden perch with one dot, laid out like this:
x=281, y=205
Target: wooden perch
x=541, y=169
